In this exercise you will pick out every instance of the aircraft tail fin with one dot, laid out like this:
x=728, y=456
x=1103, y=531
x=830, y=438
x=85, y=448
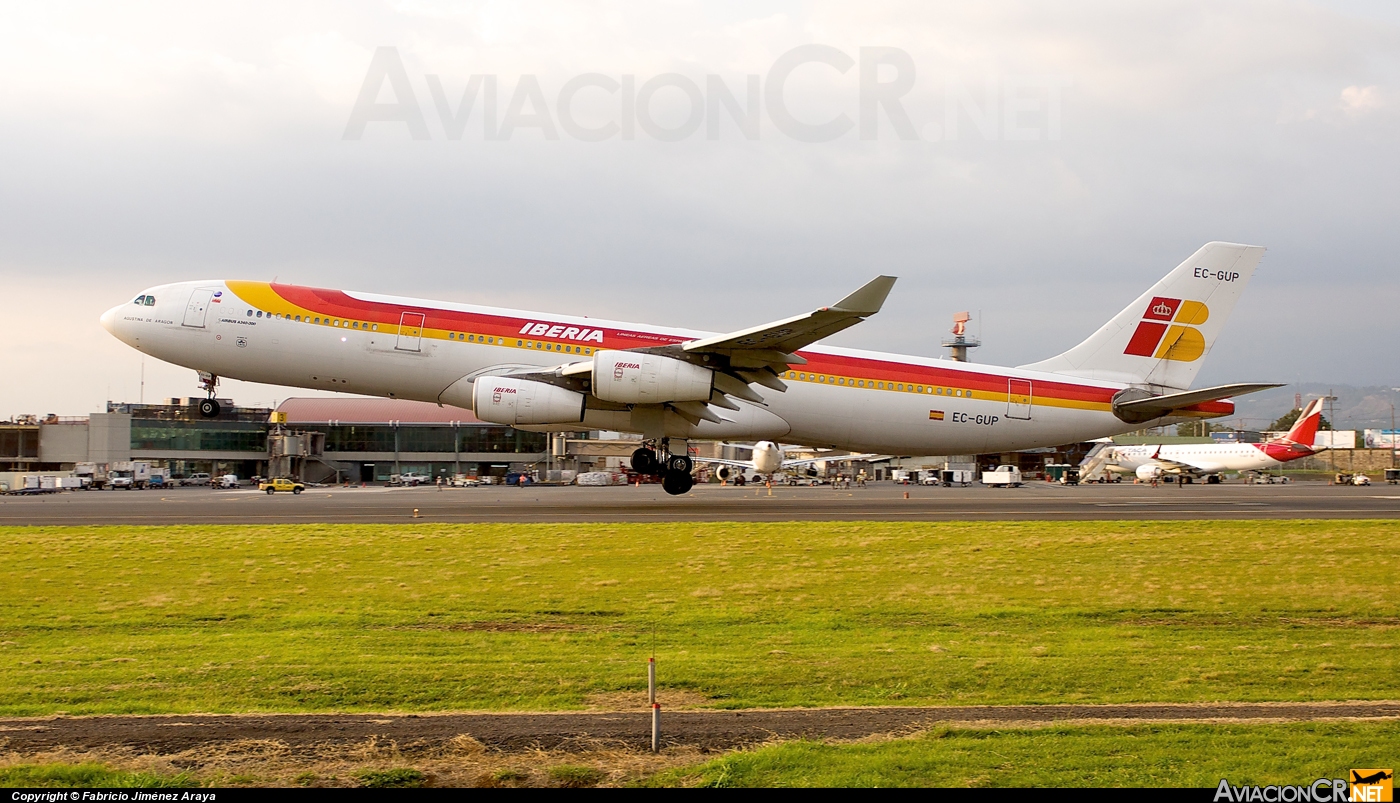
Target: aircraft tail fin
x=1162, y=338
x=1304, y=430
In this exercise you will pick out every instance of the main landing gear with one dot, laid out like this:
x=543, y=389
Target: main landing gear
x=673, y=469
x=209, y=408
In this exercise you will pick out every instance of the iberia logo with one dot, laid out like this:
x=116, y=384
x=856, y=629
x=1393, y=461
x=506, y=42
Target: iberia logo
x=1167, y=331
x=1372, y=786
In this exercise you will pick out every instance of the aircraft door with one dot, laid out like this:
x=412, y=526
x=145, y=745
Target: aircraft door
x=1018, y=399
x=198, y=307
x=410, y=331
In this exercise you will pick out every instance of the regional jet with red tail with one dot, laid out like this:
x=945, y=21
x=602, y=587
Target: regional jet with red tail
x=1152, y=462
x=546, y=372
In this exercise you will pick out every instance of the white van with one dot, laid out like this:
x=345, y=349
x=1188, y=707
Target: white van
x=1003, y=477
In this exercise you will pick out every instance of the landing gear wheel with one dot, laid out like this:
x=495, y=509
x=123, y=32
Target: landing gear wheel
x=644, y=461
x=680, y=463
x=676, y=483
x=209, y=408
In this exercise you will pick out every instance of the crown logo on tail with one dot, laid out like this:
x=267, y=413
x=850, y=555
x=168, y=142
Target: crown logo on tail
x=1168, y=331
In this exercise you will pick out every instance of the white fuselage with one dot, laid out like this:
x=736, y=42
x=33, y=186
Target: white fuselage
x=1203, y=458
x=416, y=349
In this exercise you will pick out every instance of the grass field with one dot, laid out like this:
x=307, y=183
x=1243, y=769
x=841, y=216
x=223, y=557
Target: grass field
x=1159, y=755
x=1175, y=755
x=374, y=618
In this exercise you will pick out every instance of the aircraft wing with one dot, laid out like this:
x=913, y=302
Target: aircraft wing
x=806, y=461
x=723, y=462
x=754, y=356
x=1180, y=467
x=783, y=338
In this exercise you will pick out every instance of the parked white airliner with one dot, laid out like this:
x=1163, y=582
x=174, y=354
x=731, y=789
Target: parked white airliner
x=543, y=371
x=1150, y=462
x=769, y=458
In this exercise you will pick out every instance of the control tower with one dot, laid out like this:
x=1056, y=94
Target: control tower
x=959, y=343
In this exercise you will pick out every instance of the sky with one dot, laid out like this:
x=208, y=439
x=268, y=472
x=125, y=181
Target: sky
x=1039, y=165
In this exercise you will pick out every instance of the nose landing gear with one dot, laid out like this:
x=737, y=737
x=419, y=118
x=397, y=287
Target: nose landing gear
x=673, y=469
x=209, y=408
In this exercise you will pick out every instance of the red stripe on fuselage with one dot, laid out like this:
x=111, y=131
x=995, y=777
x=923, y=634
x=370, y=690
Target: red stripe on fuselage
x=1283, y=452
x=338, y=304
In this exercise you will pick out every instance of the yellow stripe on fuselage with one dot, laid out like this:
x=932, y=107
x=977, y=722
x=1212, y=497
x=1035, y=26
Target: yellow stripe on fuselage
x=260, y=295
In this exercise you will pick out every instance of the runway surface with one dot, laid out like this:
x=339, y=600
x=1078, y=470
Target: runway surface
x=706, y=730
x=882, y=501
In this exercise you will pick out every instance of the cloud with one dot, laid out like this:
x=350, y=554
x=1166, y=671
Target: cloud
x=1358, y=100
x=172, y=141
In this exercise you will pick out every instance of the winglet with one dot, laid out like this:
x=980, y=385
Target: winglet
x=869, y=298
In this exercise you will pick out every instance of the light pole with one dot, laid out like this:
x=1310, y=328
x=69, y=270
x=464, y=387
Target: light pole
x=1394, y=445
x=1331, y=438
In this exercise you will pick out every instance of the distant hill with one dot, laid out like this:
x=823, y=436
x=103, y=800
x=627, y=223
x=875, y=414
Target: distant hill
x=1355, y=408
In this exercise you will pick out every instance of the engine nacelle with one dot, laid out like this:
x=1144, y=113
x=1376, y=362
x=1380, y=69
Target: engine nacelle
x=1149, y=472
x=627, y=377
x=503, y=400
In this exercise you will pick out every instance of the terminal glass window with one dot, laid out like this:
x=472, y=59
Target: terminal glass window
x=359, y=438
x=220, y=436
x=501, y=440
x=19, y=443
x=425, y=439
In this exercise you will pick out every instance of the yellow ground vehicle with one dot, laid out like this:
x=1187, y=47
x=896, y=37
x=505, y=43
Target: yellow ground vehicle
x=281, y=484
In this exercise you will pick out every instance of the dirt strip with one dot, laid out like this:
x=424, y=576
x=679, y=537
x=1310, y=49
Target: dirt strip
x=706, y=730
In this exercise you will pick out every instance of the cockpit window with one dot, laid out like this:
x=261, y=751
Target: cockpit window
x=150, y=301
x=139, y=300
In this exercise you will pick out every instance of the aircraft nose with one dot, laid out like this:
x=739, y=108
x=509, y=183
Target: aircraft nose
x=109, y=320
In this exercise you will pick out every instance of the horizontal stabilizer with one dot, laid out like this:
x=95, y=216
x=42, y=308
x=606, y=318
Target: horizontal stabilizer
x=1146, y=408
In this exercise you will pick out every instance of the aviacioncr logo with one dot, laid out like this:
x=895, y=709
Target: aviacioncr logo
x=1168, y=330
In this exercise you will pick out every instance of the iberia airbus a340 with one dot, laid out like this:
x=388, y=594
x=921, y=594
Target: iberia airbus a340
x=541, y=371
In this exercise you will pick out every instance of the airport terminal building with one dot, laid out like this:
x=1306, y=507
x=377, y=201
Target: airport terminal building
x=350, y=439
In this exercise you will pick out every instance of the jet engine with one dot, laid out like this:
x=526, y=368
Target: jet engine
x=503, y=400
x=628, y=377
x=1149, y=472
